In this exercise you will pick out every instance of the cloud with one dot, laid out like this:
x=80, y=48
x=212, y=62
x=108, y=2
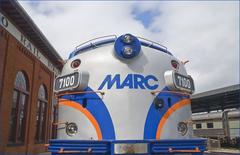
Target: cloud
x=82, y=21
x=206, y=33
x=145, y=15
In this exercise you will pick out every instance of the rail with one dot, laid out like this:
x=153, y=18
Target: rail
x=154, y=45
x=62, y=151
x=196, y=150
x=58, y=123
x=80, y=92
x=111, y=37
x=97, y=42
x=93, y=43
x=172, y=92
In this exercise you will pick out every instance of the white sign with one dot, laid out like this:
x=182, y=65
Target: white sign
x=130, y=148
x=177, y=81
x=4, y=22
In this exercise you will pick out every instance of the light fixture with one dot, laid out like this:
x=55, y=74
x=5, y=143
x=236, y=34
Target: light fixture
x=71, y=129
x=175, y=64
x=182, y=128
x=127, y=38
x=127, y=46
x=75, y=63
x=127, y=51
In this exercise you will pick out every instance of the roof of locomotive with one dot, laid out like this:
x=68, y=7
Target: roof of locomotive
x=101, y=41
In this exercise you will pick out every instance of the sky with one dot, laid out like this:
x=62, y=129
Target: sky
x=204, y=32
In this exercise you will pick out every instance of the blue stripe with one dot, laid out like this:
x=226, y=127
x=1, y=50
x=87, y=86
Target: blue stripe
x=90, y=45
x=155, y=115
x=98, y=109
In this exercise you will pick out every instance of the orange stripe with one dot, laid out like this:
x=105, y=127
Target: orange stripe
x=175, y=107
x=85, y=112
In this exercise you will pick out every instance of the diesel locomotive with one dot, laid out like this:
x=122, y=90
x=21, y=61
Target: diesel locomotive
x=124, y=95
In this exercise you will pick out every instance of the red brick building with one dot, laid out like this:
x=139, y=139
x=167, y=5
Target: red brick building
x=28, y=66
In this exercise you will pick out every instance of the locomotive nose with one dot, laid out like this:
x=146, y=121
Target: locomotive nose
x=127, y=46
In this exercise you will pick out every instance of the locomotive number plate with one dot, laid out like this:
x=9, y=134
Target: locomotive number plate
x=130, y=148
x=177, y=81
x=183, y=82
x=67, y=82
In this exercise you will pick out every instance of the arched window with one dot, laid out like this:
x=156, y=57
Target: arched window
x=17, y=121
x=41, y=114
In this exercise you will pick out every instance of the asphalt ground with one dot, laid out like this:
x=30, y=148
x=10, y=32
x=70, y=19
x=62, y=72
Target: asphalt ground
x=216, y=153
x=207, y=153
x=221, y=153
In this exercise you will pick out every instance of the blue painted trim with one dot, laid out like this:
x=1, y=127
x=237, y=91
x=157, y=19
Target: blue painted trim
x=107, y=146
x=155, y=115
x=108, y=41
x=98, y=109
x=159, y=48
x=90, y=45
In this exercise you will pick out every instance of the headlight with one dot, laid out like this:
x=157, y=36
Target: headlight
x=175, y=64
x=182, y=128
x=127, y=46
x=71, y=129
x=76, y=63
x=127, y=51
x=127, y=38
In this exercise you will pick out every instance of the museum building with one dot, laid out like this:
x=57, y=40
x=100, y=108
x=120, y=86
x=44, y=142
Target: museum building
x=28, y=67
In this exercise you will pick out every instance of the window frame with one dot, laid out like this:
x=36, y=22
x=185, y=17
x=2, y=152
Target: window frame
x=15, y=128
x=198, y=125
x=210, y=125
x=40, y=137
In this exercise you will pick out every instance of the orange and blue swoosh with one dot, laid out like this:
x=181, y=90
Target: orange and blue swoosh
x=156, y=118
x=95, y=110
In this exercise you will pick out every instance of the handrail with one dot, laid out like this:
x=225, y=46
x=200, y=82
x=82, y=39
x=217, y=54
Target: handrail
x=188, y=151
x=58, y=123
x=173, y=92
x=90, y=41
x=80, y=92
x=153, y=42
x=91, y=44
x=74, y=151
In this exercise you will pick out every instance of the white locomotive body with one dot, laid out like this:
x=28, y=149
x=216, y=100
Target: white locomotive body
x=126, y=90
